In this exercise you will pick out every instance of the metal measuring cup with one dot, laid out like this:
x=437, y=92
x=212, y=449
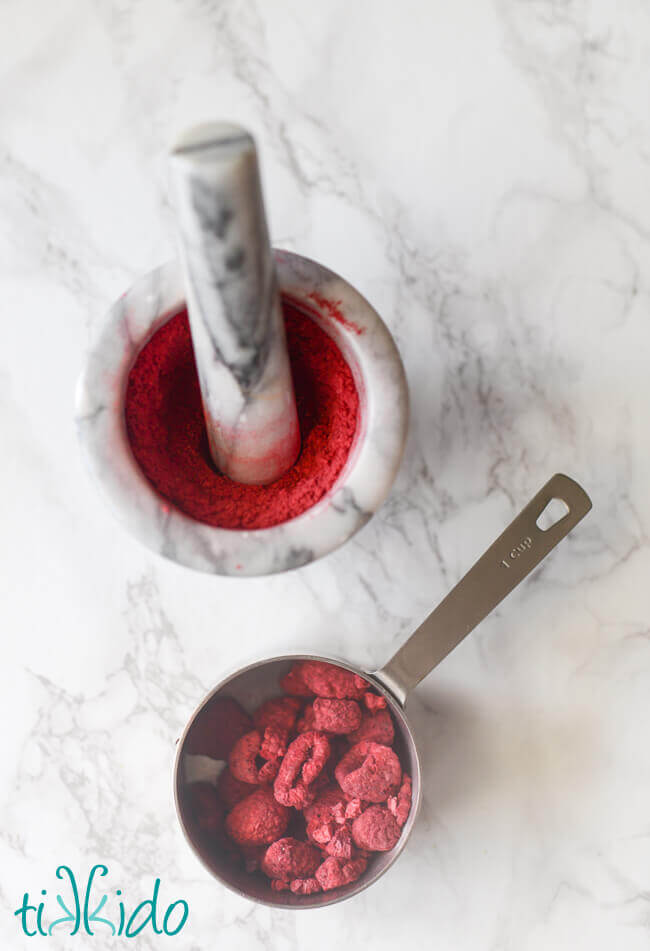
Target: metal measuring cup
x=519, y=549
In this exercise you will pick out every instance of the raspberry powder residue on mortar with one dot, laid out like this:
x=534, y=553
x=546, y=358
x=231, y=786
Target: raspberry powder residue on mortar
x=168, y=437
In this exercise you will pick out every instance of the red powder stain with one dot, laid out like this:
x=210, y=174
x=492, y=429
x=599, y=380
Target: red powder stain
x=166, y=429
x=333, y=309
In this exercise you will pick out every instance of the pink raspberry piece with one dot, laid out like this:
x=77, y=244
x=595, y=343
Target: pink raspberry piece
x=376, y=830
x=336, y=872
x=279, y=712
x=336, y=716
x=369, y=771
x=374, y=701
x=326, y=680
x=257, y=820
x=340, y=845
x=288, y=858
x=377, y=727
x=305, y=886
x=302, y=764
x=400, y=805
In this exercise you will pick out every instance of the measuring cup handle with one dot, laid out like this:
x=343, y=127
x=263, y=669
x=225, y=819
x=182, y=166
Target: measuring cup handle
x=504, y=565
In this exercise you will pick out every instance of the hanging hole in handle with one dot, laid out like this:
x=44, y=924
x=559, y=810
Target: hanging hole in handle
x=553, y=513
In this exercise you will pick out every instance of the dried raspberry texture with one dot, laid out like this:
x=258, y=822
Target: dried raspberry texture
x=289, y=858
x=257, y=820
x=376, y=830
x=336, y=716
x=302, y=764
x=369, y=771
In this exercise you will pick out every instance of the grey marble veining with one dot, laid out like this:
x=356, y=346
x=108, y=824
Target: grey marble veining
x=233, y=304
x=508, y=252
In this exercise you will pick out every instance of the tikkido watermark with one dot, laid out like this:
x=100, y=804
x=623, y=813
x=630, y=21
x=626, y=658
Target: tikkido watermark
x=92, y=910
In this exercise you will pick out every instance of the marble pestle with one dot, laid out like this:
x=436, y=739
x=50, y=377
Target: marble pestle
x=233, y=304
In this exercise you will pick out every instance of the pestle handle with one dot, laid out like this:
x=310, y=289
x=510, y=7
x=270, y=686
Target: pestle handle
x=233, y=304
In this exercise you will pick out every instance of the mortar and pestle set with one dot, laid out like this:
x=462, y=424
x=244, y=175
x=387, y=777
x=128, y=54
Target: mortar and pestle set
x=245, y=412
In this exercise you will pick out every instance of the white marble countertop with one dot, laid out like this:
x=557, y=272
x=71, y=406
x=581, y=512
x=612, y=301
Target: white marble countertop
x=481, y=171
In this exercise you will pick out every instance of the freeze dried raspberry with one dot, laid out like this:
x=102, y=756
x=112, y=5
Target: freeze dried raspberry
x=307, y=720
x=325, y=815
x=377, y=727
x=326, y=680
x=376, y=829
x=305, y=886
x=354, y=808
x=274, y=743
x=345, y=730
x=241, y=761
x=336, y=716
x=243, y=758
x=245, y=754
x=288, y=859
x=328, y=806
x=336, y=872
x=231, y=790
x=302, y=763
x=373, y=701
x=268, y=771
x=293, y=682
x=217, y=728
x=321, y=832
x=205, y=806
x=370, y=771
x=319, y=784
x=400, y=805
x=257, y=820
x=340, y=845
x=280, y=712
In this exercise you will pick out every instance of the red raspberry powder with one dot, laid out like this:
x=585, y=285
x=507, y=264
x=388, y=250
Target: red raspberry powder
x=164, y=421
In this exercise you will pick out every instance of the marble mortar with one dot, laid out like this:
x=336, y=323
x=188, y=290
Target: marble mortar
x=363, y=484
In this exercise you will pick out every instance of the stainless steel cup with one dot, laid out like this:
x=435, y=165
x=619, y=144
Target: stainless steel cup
x=519, y=549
